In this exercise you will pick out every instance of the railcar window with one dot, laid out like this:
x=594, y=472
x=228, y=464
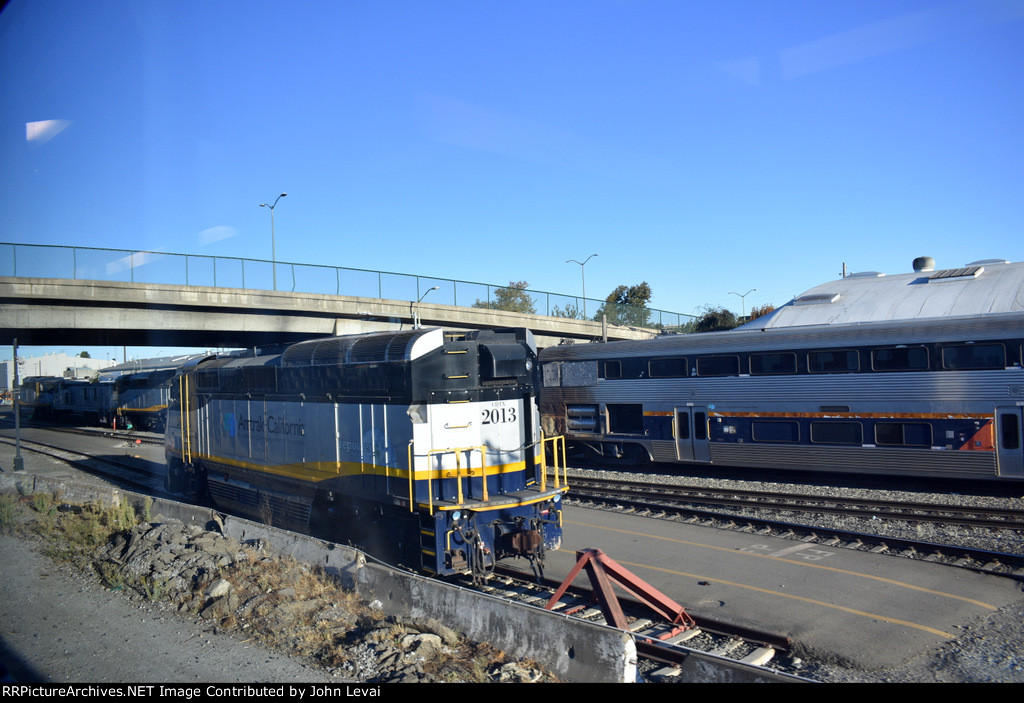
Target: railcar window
x=683, y=426
x=700, y=425
x=906, y=434
x=667, y=368
x=974, y=356
x=626, y=419
x=837, y=433
x=900, y=359
x=718, y=366
x=1010, y=431
x=613, y=369
x=834, y=361
x=775, y=431
x=776, y=363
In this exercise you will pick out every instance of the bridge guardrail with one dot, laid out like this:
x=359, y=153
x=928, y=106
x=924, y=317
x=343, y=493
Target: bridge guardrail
x=138, y=266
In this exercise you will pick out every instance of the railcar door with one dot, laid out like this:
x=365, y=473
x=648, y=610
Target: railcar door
x=691, y=433
x=1010, y=441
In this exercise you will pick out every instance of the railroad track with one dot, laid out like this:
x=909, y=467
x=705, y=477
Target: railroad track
x=747, y=655
x=657, y=495
x=125, y=473
x=661, y=503
x=127, y=435
x=713, y=647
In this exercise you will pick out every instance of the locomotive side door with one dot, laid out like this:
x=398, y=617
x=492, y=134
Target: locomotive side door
x=1010, y=441
x=690, y=429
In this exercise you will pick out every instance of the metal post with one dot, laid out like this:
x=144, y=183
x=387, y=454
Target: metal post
x=19, y=463
x=273, y=252
x=584, y=277
x=416, y=309
x=743, y=301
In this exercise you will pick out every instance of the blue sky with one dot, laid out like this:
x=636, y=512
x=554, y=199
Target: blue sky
x=704, y=147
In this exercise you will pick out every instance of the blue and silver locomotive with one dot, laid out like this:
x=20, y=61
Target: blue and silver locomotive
x=422, y=447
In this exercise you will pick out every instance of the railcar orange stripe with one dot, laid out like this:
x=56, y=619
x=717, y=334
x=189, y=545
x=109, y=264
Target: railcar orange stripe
x=858, y=415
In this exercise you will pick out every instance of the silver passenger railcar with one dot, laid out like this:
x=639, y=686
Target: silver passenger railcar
x=914, y=374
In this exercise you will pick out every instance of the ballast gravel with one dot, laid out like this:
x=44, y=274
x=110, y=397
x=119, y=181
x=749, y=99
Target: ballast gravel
x=987, y=649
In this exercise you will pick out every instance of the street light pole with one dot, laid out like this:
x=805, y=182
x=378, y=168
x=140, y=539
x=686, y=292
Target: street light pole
x=583, y=275
x=416, y=309
x=273, y=253
x=743, y=301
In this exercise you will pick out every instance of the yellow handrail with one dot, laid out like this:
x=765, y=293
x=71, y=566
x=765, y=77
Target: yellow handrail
x=560, y=480
x=458, y=473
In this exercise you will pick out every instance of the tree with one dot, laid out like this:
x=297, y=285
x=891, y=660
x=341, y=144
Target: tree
x=571, y=312
x=758, y=312
x=512, y=298
x=715, y=320
x=84, y=355
x=627, y=305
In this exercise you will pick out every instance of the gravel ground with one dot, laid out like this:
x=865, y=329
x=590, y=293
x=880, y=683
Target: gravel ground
x=61, y=625
x=987, y=649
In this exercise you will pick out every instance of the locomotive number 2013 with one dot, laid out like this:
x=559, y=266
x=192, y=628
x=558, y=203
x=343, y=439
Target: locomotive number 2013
x=493, y=416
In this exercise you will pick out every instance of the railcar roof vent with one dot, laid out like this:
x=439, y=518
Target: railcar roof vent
x=817, y=299
x=983, y=262
x=961, y=274
x=866, y=274
x=924, y=263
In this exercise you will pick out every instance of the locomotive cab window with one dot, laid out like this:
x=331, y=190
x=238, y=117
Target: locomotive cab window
x=613, y=369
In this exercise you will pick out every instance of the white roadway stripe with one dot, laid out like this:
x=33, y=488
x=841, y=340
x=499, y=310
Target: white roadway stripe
x=790, y=550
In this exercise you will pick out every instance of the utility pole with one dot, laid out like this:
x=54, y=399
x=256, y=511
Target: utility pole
x=19, y=463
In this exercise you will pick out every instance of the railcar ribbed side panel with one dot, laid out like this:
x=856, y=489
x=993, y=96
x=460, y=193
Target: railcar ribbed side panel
x=907, y=462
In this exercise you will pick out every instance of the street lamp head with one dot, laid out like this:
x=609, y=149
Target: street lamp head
x=275, y=202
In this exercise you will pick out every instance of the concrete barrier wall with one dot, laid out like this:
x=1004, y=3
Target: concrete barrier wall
x=573, y=650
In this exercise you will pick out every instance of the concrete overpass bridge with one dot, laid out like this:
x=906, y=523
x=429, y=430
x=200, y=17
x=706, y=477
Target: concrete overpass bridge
x=50, y=311
x=55, y=295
